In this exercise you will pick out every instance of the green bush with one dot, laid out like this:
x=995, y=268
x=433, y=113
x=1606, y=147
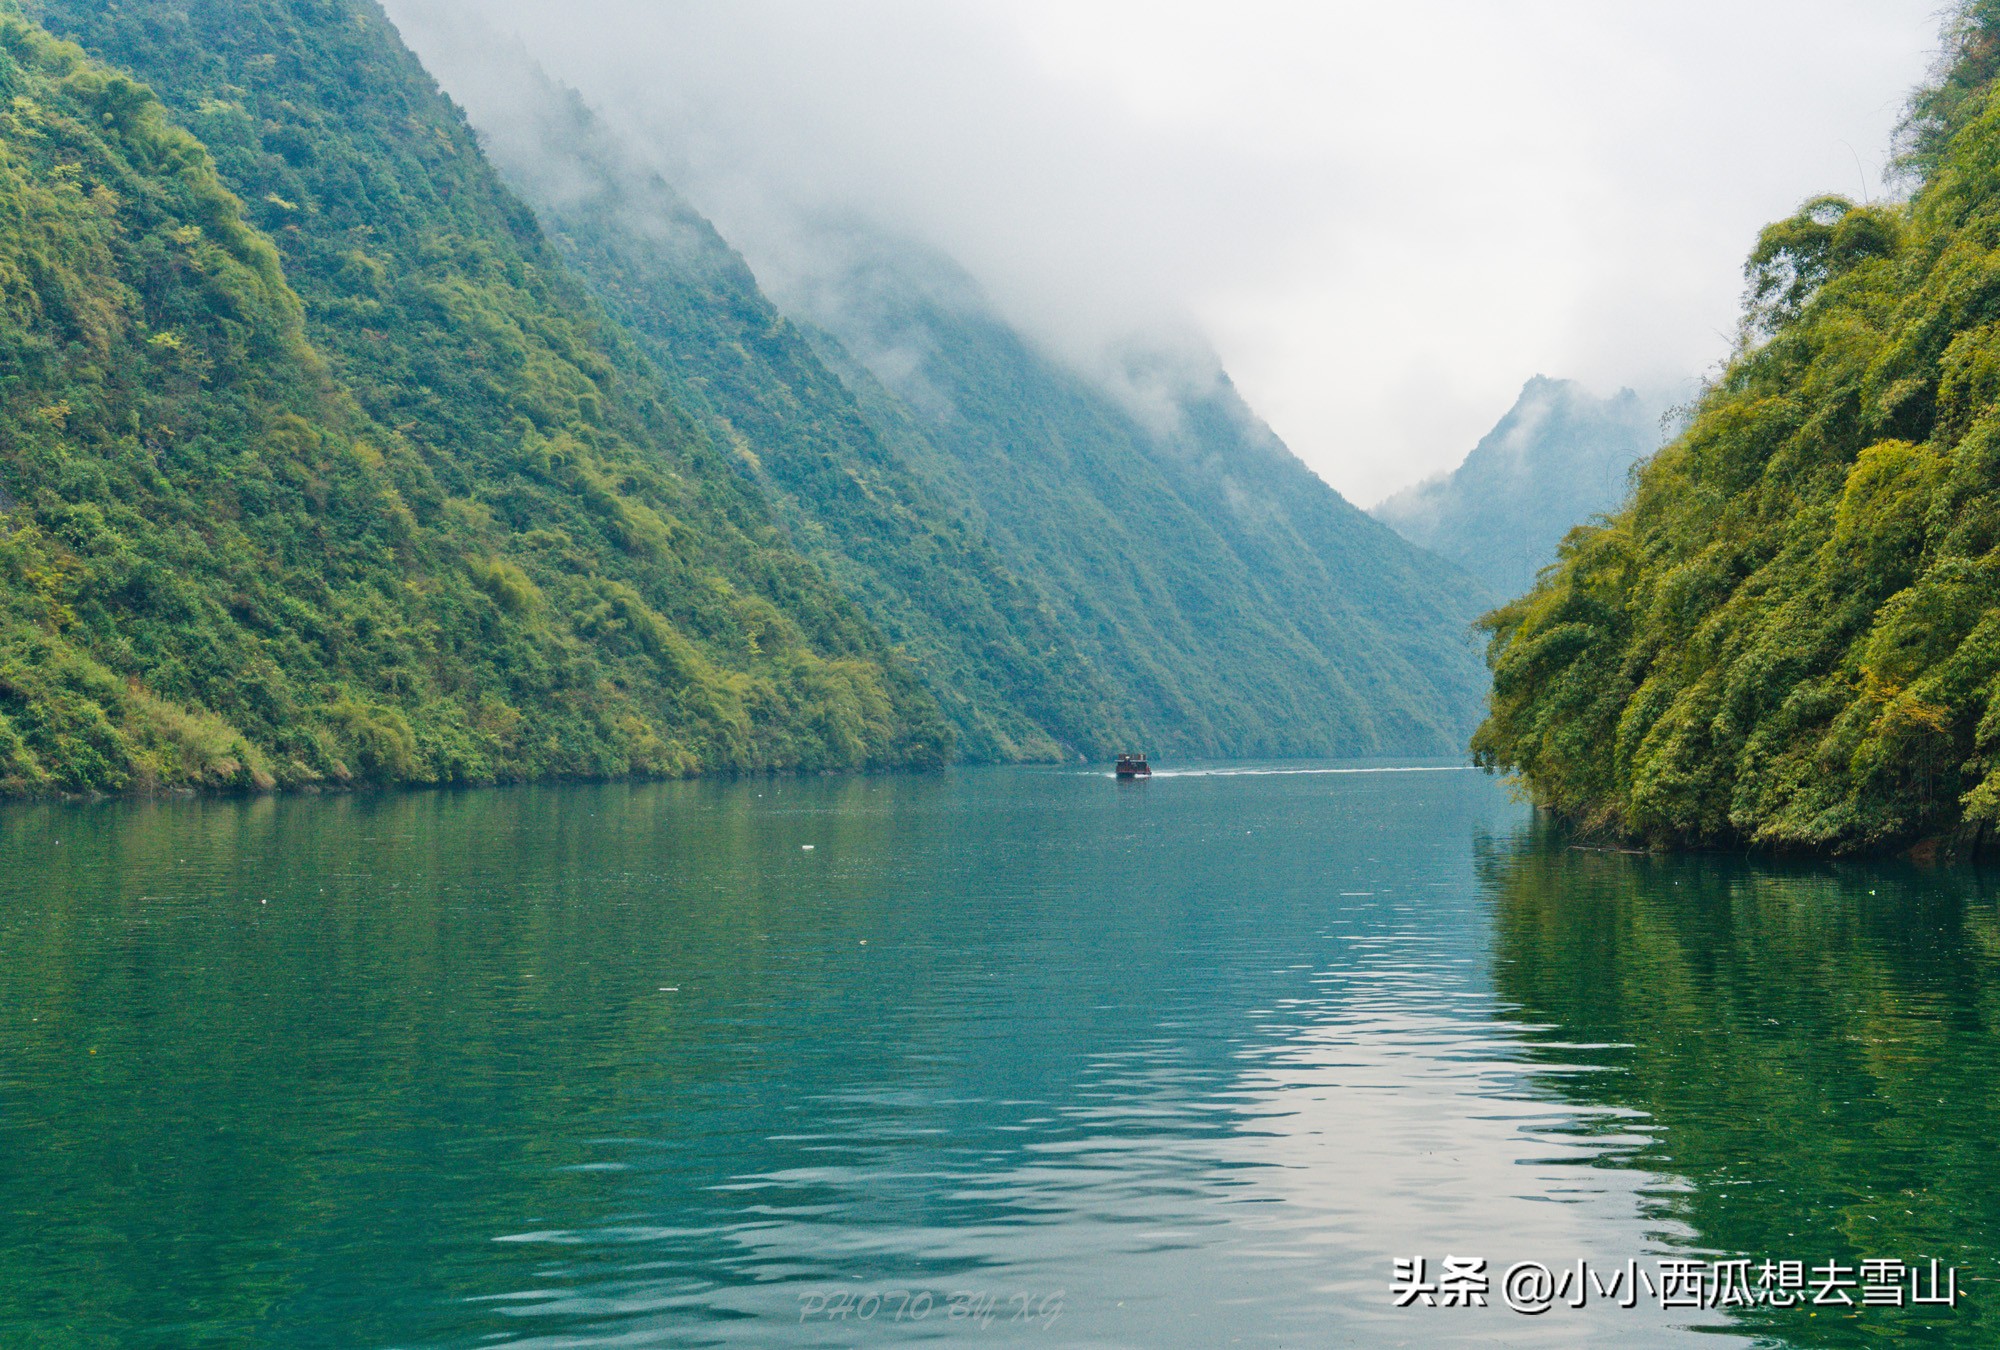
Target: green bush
x=1790, y=636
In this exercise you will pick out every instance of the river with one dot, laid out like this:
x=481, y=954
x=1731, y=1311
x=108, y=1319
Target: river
x=990, y=1056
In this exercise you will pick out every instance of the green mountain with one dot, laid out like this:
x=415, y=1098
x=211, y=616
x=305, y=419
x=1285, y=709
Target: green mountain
x=1560, y=456
x=1790, y=636
x=355, y=481
x=1012, y=682
x=1244, y=605
x=323, y=462
x=1070, y=575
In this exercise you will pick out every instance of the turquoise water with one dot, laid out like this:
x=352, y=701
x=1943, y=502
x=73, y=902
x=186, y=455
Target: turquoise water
x=1002, y=1057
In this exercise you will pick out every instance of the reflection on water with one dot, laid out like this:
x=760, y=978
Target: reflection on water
x=1182, y=1064
x=1815, y=1048
x=1312, y=770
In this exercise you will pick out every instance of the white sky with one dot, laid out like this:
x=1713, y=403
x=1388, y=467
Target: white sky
x=1385, y=217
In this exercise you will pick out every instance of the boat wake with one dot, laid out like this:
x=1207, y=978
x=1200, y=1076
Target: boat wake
x=1274, y=773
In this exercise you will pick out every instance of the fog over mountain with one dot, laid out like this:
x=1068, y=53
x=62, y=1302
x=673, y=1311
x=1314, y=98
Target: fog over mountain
x=1128, y=558
x=1560, y=456
x=353, y=440
x=1381, y=217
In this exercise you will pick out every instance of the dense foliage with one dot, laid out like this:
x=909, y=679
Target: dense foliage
x=321, y=463
x=1012, y=683
x=1791, y=634
x=1063, y=574
x=439, y=522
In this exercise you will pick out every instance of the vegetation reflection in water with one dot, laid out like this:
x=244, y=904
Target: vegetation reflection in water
x=1815, y=1049
x=631, y=1064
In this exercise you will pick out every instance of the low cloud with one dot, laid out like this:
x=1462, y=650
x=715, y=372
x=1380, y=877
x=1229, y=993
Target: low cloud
x=1383, y=218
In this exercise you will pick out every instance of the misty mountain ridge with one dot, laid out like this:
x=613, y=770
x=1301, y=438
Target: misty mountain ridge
x=1178, y=495
x=1010, y=684
x=1142, y=508
x=497, y=463
x=1559, y=456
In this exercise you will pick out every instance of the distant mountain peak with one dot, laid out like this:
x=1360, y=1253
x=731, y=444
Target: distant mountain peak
x=1557, y=457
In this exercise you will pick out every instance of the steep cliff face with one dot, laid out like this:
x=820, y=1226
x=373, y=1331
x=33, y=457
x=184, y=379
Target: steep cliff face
x=1791, y=634
x=323, y=462
x=163, y=415
x=1011, y=681
x=1244, y=606
x=1560, y=456
x=1068, y=571
x=355, y=482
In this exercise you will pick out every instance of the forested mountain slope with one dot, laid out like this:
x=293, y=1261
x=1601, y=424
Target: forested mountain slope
x=1245, y=607
x=440, y=522
x=1010, y=680
x=1560, y=456
x=1791, y=634
x=383, y=491
x=1062, y=572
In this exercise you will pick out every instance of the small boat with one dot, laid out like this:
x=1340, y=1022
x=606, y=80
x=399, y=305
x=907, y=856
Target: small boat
x=1134, y=766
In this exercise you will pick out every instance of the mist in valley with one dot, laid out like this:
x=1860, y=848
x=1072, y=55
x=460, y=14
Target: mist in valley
x=1380, y=219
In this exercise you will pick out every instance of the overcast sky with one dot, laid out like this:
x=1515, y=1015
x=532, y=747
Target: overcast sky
x=1385, y=217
